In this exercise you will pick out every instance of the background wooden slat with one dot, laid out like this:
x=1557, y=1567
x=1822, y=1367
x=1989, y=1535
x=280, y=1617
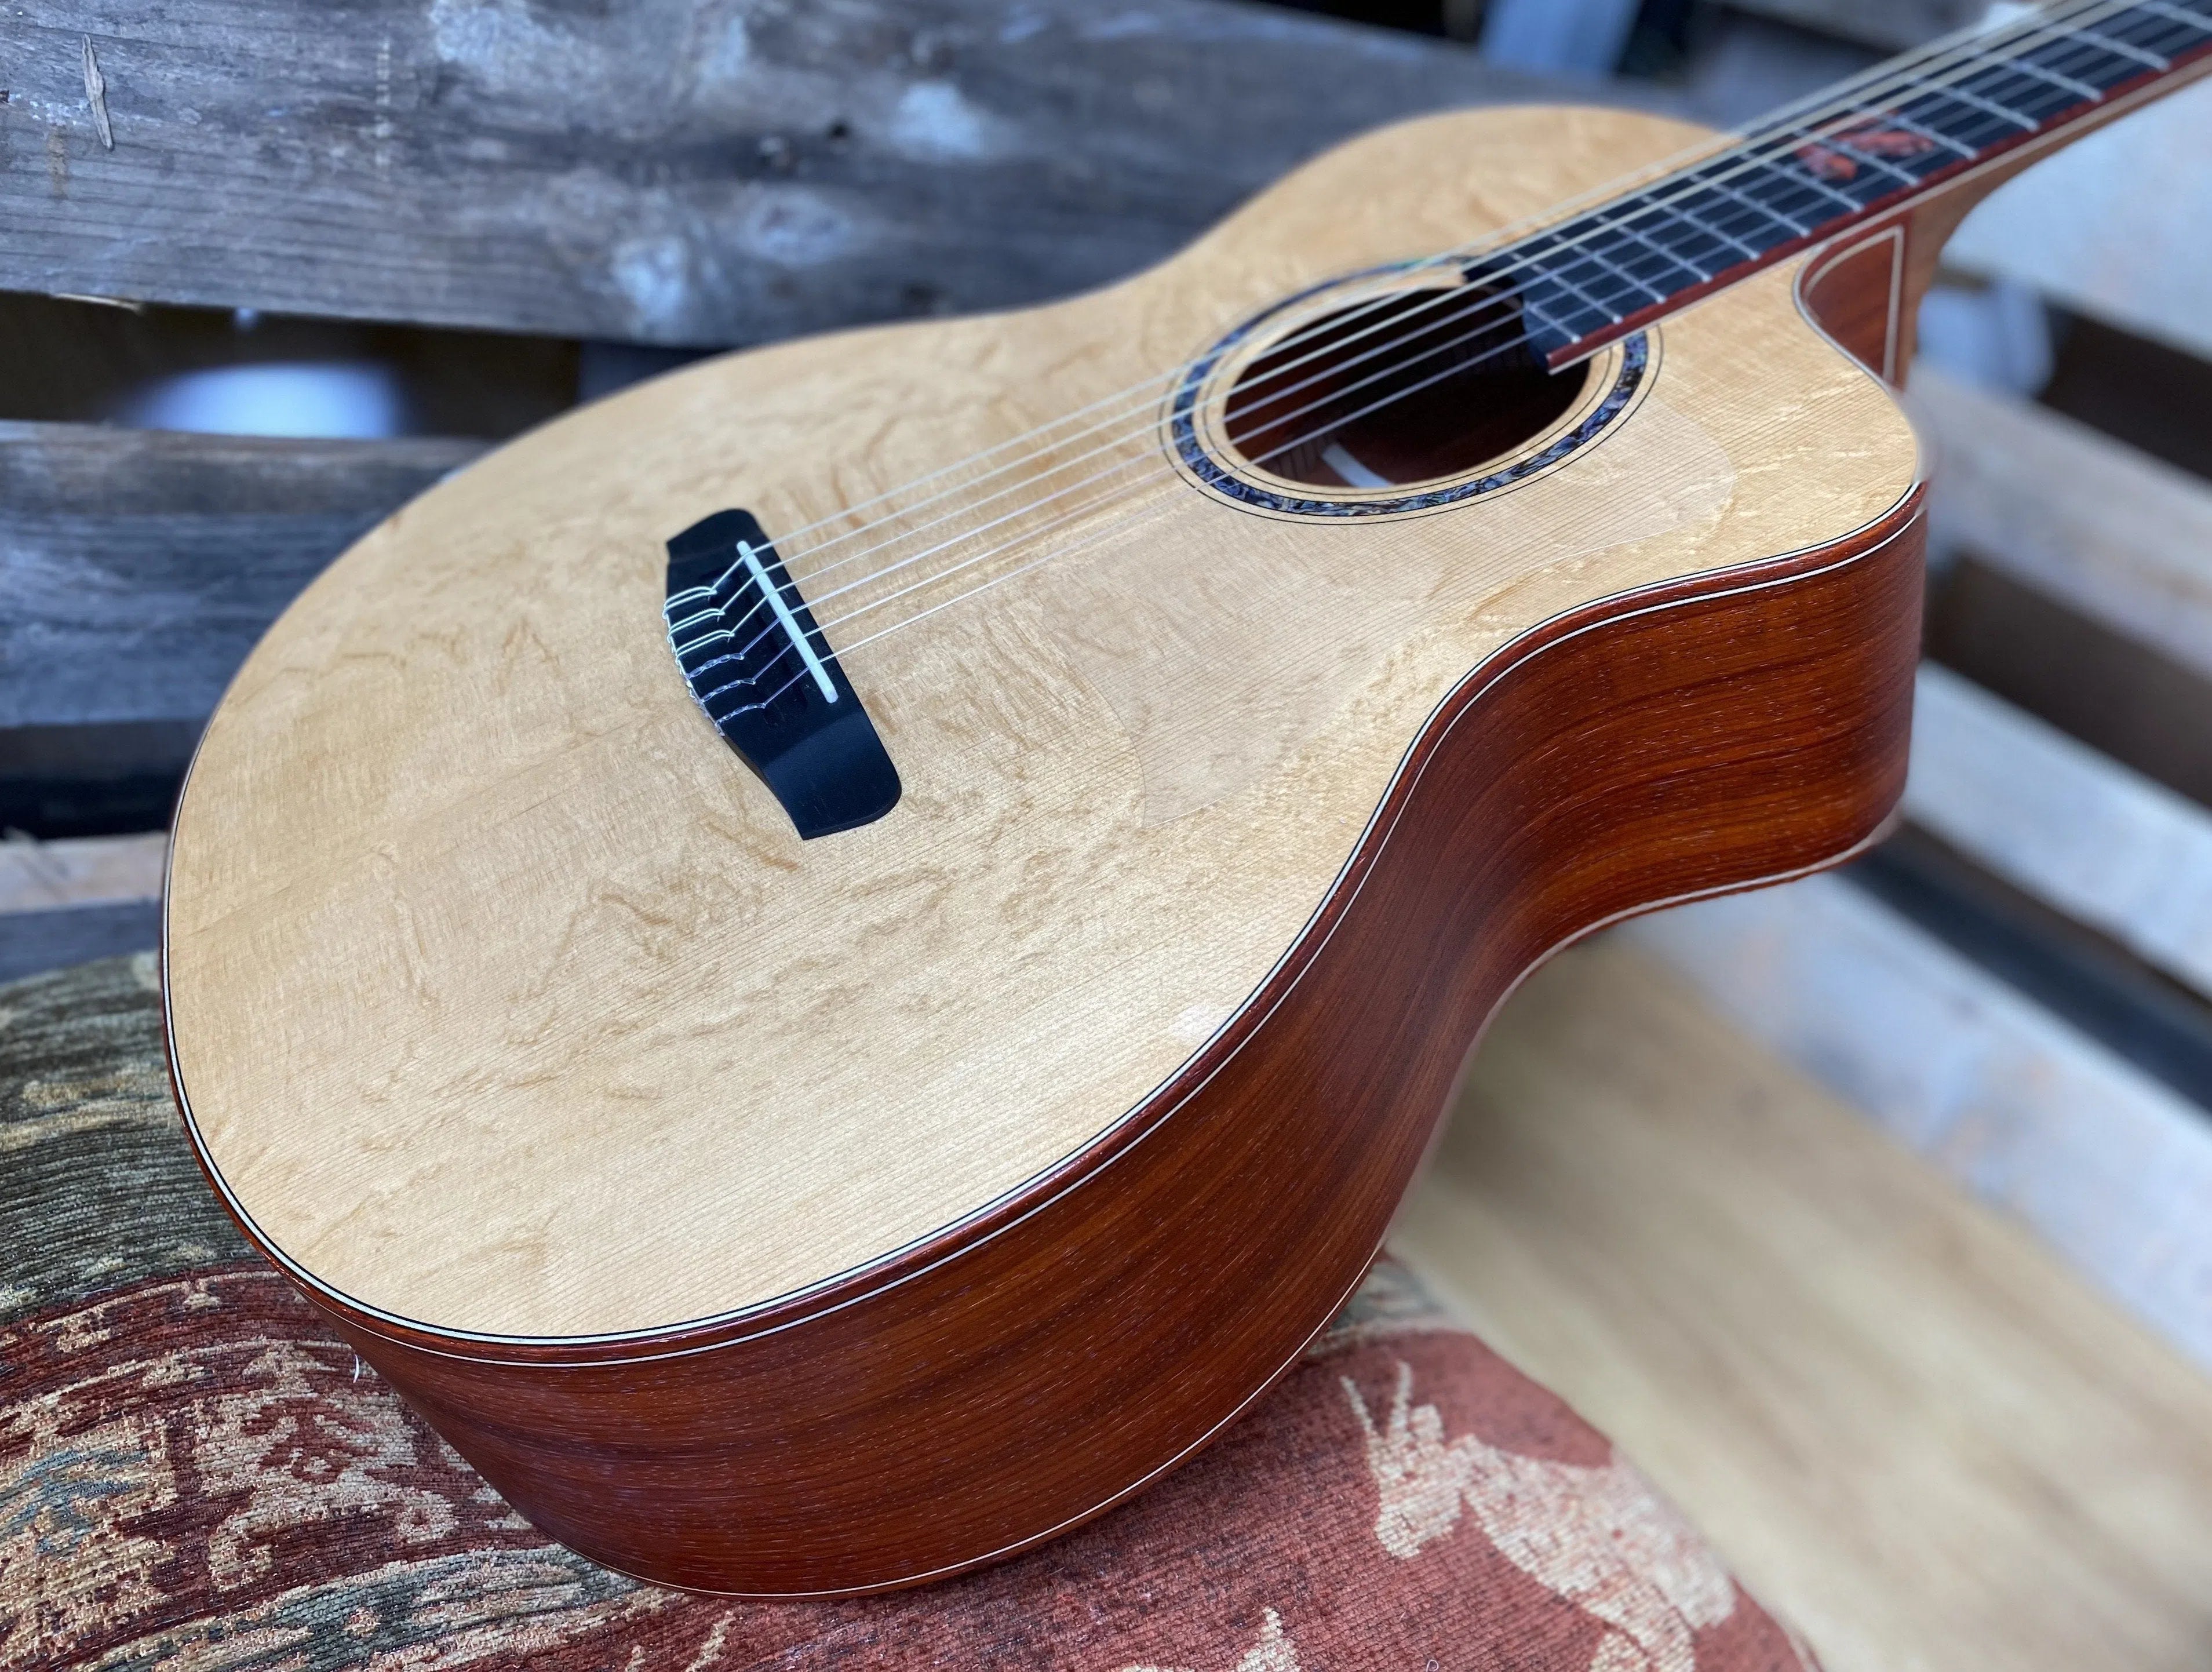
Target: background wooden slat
x=676, y=171
x=2118, y=536
x=2077, y=580
x=2117, y=226
x=40, y=876
x=140, y=567
x=2108, y=1166
x=1892, y=24
x=2105, y=846
x=1915, y=1432
x=34, y=941
x=62, y=902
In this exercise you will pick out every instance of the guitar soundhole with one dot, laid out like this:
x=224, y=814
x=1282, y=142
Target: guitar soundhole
x=1423, y=387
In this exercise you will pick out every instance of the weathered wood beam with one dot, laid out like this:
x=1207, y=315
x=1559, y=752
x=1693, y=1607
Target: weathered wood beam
x=62, y=902
x=1914, y=1433
x=1892, y=24
x=2110, y=1167
x=700, y=172
x=139, y=567
x=2079, y=579
x=2117, y=226
x=2111, y=533
x=2107, y=847
x=45, y=876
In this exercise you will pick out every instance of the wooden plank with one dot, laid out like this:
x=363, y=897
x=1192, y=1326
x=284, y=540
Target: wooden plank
x=2108, y=847
x=2119, y=537
x=2117, y=226
x=2110, y=1167
x=2097, y=683
x=680, y=172
x=1915, y=1434
x=1892, y=24
x=41, y=876
x=2085, y=979
x=140, y=567
x=31, y=942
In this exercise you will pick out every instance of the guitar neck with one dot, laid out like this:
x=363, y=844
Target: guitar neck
x=1950, y=119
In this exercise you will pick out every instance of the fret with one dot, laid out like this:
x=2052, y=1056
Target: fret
x=2022, y=63
x=1626, y=229
x=2126, y=49
x=1756, y=208
x=1554, y=276
x=1690, y=215
x=1557, y=328
x=1812, y=178
x=1967, y=153
x=1553, y=257
x=1868, y=159
x=1971, y=129
x=1782, y=186
x=1952, y=90
x=1764, y=176
x=2153, y=30
x=2036, y=100
x=1702, y=250
x=2173, y=13
x=1589, y=252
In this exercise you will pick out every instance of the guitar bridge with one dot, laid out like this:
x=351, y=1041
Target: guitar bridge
x=760, y=667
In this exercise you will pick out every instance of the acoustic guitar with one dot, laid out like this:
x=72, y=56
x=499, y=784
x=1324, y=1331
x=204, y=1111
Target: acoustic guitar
x=831, y=963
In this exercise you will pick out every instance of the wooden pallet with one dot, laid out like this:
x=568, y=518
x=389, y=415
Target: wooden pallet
x=1868, y=1213
x=1916, y=1432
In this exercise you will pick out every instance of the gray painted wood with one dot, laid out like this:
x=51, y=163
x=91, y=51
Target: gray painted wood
x=33, y=942
x=674, y=171
x=1890, y=23
x=139, y=567
x=43, y=876
x=2110, y=1167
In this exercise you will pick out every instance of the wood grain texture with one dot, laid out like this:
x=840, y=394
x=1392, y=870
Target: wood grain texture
x=140, y=567
x=2030, y=1115
x=1921, y=1437
x=684, y=171
x=2111, y=533
x=598, y=1169
x=2106, y=846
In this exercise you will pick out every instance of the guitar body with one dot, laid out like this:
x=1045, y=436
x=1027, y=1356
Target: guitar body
x=789, y=1217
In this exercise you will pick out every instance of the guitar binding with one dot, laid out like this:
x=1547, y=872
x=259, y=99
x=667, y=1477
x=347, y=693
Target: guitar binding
x=759, y=667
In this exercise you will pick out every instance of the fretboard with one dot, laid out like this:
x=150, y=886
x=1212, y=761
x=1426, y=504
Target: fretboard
x=1902, y=130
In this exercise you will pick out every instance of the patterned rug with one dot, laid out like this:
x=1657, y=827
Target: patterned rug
x=193, y=1475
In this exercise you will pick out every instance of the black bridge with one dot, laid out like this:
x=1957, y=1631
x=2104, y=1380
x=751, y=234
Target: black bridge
x=769, y=680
